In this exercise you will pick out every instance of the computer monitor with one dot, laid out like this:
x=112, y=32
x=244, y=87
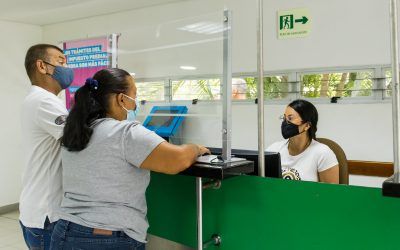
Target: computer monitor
x=272, y=160
x=162, y=123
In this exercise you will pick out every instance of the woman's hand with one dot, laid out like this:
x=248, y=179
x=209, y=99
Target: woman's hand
x=203, y=150
x=172, y=159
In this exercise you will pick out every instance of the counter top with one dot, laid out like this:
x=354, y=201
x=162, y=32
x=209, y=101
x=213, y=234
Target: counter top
x=220, y=171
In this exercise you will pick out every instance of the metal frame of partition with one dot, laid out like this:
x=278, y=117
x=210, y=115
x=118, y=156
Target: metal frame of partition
x=114, y=48
x=226, y=129
x=395, y=83
x=227, y=88
x=260, y=88
x=199, y=210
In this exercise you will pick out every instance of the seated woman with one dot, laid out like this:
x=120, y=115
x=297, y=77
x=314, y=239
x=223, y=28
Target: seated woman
x=302, y=157
x=107, y=158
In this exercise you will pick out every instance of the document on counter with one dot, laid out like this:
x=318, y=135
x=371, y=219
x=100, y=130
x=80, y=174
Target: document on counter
x=215, y=159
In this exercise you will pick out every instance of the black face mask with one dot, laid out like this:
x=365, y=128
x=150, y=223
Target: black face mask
x=289, y=129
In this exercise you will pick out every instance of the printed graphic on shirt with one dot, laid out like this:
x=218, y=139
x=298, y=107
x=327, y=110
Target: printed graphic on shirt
x=60, y=120
x=291, y=174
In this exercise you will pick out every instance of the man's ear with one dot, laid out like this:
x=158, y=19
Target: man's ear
x=41, y=67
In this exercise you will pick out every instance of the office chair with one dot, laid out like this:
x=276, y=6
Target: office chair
x=341, y=158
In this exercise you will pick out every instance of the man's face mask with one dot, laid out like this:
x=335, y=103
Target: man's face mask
x=63, y=75
x=289, y=129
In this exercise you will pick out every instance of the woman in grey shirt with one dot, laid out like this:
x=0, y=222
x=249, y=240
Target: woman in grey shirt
x=107, y=158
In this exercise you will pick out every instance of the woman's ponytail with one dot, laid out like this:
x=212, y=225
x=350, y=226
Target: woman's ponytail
x=91, y=103
x=77, y=130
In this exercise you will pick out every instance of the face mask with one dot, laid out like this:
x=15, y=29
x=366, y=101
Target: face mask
x=289, y=129
x=63, y=75
x=131, y=114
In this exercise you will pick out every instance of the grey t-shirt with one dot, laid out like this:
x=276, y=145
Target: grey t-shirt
x=104, y=186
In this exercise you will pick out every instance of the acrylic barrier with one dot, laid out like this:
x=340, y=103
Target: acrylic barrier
x=251, y=212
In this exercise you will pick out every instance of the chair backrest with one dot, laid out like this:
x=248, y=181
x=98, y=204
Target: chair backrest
x=341, y=158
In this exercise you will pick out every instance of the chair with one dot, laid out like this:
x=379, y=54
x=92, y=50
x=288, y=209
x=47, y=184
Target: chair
x=341, y=158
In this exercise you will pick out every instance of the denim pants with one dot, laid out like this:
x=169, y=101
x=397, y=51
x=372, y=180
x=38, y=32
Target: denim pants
x=36, y=238
x=71, y=236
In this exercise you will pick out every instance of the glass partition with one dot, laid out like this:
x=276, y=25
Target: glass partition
x=178, y=63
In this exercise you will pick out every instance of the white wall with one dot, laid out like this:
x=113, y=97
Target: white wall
x=343, y=33
x=14, y=84
x=364, y=131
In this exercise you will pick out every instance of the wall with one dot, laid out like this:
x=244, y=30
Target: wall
x=362, y=136
x=14, y=85
x=343, y=33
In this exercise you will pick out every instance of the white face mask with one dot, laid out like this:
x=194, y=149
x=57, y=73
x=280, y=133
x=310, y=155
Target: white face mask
x=131, y=114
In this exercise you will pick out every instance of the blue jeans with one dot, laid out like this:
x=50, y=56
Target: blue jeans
x=69, y=236
x=36, y=238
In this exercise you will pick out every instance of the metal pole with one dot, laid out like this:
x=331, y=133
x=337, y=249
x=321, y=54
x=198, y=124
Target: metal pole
x=114, y=50
x=395, y=83
x=260, y=103
x=199, y=190
x=227, y=88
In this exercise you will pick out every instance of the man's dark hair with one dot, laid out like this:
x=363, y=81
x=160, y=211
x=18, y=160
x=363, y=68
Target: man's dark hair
x=37, y=52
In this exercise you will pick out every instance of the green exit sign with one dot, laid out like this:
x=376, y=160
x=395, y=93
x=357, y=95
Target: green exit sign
x=293, y=23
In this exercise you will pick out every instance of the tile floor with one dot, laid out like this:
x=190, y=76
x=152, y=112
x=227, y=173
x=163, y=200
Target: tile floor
x=11, y=236
x=10, y=232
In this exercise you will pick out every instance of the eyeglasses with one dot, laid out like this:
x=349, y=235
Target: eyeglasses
x=60, y=63
x=290, y=118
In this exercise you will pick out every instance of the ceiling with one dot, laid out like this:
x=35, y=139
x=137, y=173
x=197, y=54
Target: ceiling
x=44, y=12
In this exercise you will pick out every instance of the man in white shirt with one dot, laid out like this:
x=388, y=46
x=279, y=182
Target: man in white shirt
x=43, y=117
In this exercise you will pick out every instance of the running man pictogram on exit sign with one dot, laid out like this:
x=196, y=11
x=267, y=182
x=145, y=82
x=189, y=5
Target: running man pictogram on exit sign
x=293, y=23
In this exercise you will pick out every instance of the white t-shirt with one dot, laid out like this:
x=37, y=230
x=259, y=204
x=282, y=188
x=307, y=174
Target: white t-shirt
x=43, y=117
x=305, y=166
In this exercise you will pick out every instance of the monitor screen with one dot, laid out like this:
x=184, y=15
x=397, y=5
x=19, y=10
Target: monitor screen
x=158, y=121
x=165, y=120
x=272, y=160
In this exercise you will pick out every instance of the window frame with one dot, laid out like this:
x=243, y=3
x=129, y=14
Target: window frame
x=378, y=90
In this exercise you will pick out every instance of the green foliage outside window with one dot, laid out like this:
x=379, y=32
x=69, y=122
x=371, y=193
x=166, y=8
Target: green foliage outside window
x=204, y=89
x=275, y=87
x=150, y=91
x=388, y=83
x=342, y=84
x=348, y=84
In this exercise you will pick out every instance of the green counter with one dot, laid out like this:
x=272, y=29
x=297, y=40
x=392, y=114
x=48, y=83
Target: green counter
x=250, y=212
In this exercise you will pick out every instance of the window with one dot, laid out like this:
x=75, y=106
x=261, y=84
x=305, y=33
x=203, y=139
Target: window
x=360, y=83
x=388, y=82
x=342, y=84
x=202, y=89
x=275, y=87
x=151, y=91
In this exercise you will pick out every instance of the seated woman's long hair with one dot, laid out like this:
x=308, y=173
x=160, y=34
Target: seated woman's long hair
x=91, y=103
x=308, y=113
